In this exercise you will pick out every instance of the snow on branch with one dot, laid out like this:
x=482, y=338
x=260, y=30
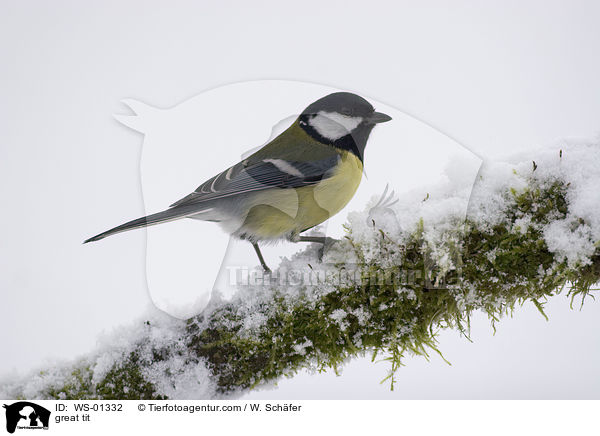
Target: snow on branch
x=405, y=270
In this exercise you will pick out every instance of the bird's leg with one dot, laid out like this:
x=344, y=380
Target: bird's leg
x=326, y=241
x=260, y=257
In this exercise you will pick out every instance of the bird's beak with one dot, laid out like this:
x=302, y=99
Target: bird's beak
x=378, y=117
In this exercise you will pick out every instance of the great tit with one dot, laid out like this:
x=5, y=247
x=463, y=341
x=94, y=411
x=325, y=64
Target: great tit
x=298, y=180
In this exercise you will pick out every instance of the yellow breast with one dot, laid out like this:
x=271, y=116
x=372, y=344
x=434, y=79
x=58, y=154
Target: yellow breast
x=333, y=193
x=278, y=213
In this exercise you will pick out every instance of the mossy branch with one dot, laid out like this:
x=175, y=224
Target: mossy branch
x=392, y=302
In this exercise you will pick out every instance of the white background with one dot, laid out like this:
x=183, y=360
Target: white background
x=498, y=77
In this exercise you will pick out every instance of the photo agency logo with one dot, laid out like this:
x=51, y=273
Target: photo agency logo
x=25, y=415
x=283, y=208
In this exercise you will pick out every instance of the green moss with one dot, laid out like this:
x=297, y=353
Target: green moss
x=78, y=387
x=125, y=381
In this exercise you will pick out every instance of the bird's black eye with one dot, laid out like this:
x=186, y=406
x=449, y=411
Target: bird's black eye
x=346, y=111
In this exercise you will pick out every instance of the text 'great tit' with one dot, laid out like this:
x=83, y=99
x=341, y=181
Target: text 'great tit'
x=298, y=180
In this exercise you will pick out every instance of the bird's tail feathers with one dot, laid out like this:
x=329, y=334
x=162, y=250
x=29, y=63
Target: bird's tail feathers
x=150, y=220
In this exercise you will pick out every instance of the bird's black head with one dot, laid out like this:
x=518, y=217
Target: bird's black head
x=341, y=119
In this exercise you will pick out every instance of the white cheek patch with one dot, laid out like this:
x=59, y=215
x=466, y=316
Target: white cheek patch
x=333, y=125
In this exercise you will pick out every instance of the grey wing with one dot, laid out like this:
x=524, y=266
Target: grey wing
x=265, y=174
